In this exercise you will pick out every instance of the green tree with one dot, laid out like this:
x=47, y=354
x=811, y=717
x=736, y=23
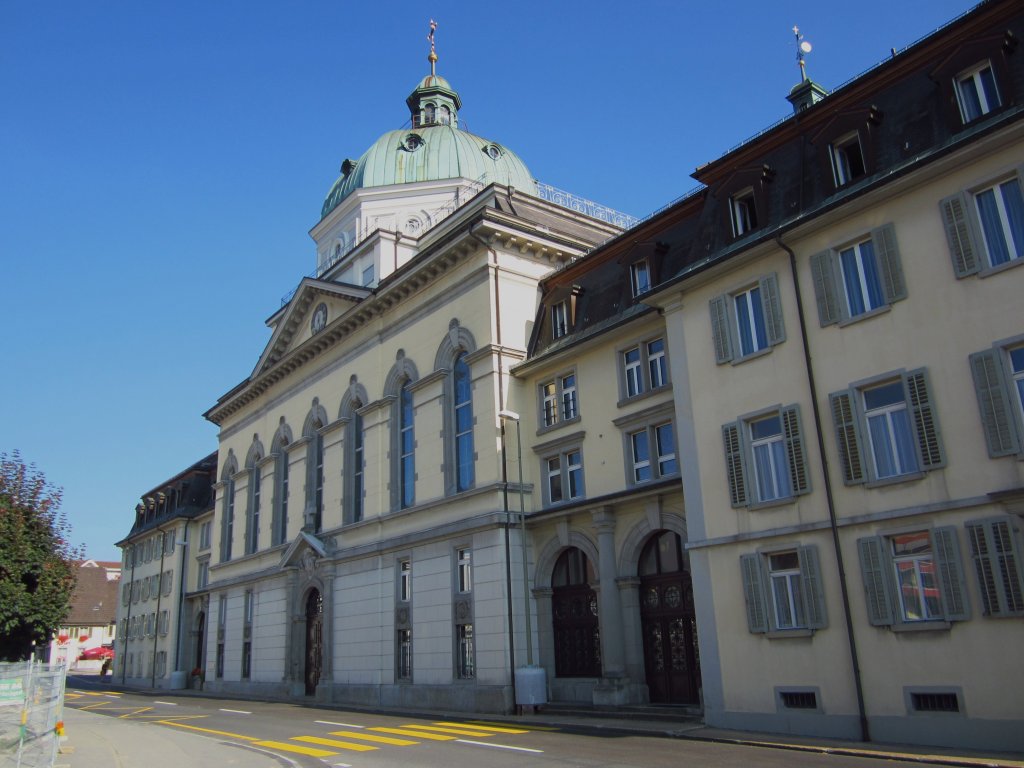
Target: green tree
x=37, y=574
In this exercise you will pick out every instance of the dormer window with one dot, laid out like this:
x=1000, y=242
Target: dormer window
x=640, y=277
x=742, y=212
x=560, y=319
x=847, y=159
x=976, y=92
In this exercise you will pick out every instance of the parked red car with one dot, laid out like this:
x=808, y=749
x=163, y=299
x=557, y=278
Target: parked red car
x=99, y=652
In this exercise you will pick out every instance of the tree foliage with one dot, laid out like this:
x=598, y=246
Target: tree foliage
x=37, y=574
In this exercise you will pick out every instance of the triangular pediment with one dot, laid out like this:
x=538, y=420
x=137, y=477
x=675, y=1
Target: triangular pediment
x=303, y=552
x=314, y=306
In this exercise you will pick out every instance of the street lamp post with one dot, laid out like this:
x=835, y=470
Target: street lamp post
x=512, y=416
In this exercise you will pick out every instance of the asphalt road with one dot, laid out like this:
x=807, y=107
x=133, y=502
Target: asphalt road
x=315, y=738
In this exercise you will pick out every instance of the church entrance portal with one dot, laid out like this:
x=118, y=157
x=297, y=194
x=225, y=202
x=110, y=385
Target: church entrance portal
x=314, y=639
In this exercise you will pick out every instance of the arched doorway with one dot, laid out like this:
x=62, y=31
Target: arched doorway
x=668, y=622
x=314, y=639
x=574, y=617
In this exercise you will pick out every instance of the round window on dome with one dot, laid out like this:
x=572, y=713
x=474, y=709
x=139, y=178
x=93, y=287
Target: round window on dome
x=413, y=142
x=493, y=151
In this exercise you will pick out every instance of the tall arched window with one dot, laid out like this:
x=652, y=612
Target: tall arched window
x=312, y=431
x=407, y=447
x=354, y=465
x=227, y=523
x=279, y=524
x=252, y=516
x=318, y=481
x=463, y=404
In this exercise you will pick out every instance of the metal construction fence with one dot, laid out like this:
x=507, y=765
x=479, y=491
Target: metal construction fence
x=31, y=712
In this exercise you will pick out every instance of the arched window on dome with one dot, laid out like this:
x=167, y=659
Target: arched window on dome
x=428, y=114
x=444, y=115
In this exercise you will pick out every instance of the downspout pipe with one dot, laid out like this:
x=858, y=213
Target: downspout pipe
x=865, y=734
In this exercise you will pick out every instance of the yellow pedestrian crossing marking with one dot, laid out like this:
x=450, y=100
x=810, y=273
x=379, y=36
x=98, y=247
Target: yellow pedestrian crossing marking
x=375, y=739
x=456, y=731
x=335, y=743
x=486, y=726
x=311, y=751
x=407, y=731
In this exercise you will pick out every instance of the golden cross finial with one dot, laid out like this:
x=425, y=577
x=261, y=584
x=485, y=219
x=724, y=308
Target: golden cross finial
x=432, y=57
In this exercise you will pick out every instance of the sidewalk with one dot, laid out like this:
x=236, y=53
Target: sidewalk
x=95, y=740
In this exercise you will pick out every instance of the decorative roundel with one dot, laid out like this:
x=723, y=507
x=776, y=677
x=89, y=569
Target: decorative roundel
x=493, y=151
x=319, y=319
x=413, y=142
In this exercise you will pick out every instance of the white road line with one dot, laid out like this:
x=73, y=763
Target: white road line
x=340, y=725
x=237, y=711
x=499, y=746
x=167, y=703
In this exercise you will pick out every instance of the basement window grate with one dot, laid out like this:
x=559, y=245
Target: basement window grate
x=799, y=699
x=935, y=702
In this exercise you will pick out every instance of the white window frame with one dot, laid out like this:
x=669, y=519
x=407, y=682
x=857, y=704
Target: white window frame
x=405, y=580
x=741, y=459
x=727, y=321
x=743, y=212
x=968, y=242
x=640, y=366
x=832, y=289
x=464, y=569
x=853, y=435
x=564, y=471
x=999, y=385
x=205, y=534
x=648, y=431
x=560, y=321
x=806, y=602
x=840, y=151
x=555, y=395
x=640, y=277
x=972, y=77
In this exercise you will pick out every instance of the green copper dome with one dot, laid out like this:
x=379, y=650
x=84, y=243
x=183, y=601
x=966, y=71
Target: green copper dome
x=433, y=148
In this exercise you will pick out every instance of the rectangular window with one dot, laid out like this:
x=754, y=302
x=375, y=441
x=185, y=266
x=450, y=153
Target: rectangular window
x=407, y=447
x=229, y=520
x=985, y=226
x=568, y=387
x=549, y=403
x=465, y=569
x=368, y=276
x=765, y=458
x=403, y=654
x=205, y=532
x=281, y=471
x=887, y=430
x=742, y=212
x=564, y=476
x=996, y=553
x=847, y=159
x=464, y=649
x=913, y=577
x=559, y=319
x=644, y=368
x=558, y=400
x=203, y=574
x=254, y=519
x=751, y=333
x=854, y=280
x=748, y=321
x=646, y=467
x=356, y=478
x=318, y=481
x=640, y=277
x=976, y=92
x=783, y=590
x=999, y=384
x=771, y=468
x=405, y=581
x=633, y=372
x=890, y=436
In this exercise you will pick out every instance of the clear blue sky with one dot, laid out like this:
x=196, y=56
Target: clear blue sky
x=161, y=164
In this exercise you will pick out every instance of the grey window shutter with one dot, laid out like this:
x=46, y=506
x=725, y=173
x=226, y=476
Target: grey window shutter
x=950, y=573
x=876, y=583
x=994, y=401
x=734, y=465
x=926, y=420
x=753, y=593
x=959, y=235
x=813, y=592
x=825, y=288
x=998, y=565
x=847, y=435
x=720, y=331
x=776, y=331
x=888, y=254
x=793, y=432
